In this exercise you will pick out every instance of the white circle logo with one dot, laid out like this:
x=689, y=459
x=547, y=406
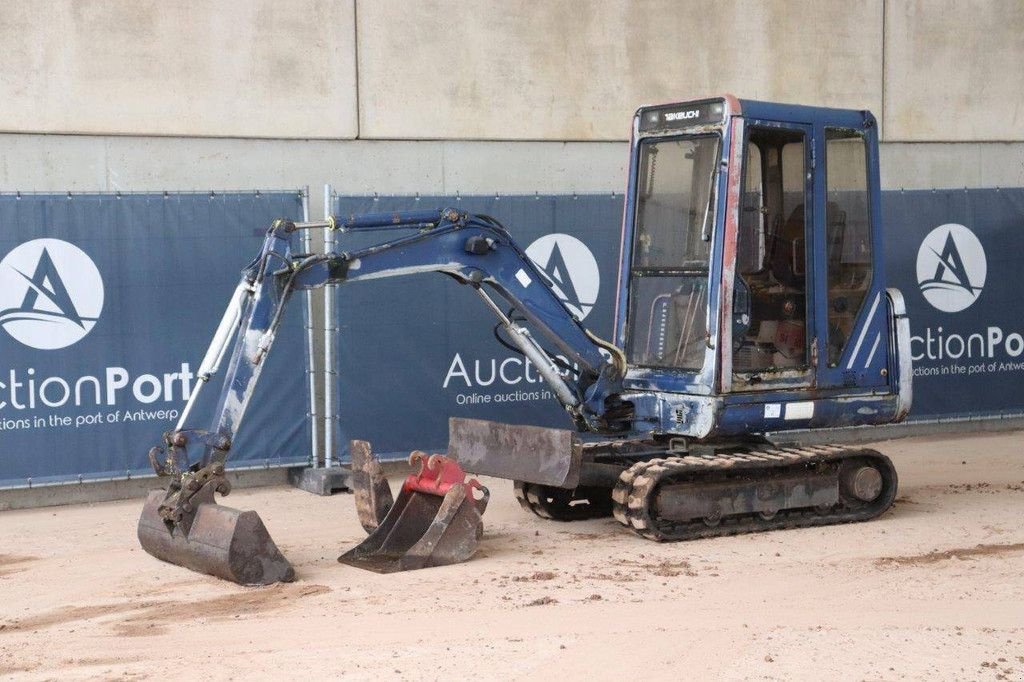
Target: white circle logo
x=570, y=270
x=51, y=293
x=951, y=267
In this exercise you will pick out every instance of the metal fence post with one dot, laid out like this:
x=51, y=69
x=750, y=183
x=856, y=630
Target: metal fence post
x=330, y=338
x=314, y=426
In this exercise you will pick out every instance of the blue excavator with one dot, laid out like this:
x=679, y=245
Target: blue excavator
x=751, y=301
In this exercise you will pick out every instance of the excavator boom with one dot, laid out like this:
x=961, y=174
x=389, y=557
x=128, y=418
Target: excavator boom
x=184, y=526
x=474, y=250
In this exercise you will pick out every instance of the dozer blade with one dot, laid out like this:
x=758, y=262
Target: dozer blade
x=535, y=454
x=214, y=539
x=436, y=521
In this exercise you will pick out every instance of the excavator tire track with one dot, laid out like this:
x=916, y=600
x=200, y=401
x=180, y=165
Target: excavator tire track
x=634, y=497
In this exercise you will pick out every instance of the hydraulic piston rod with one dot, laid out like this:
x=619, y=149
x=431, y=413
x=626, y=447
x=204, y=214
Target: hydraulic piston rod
x=521, y=337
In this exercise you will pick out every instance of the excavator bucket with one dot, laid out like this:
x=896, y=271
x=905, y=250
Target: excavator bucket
x=211, y=538
x=372, y=492
x=435, y=521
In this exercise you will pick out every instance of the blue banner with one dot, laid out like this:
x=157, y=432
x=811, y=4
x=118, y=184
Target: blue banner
x=107, y=305
x=414, y=351
x=957, y=255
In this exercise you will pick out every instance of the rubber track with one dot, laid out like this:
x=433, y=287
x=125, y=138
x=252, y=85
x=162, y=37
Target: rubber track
x=635, y=491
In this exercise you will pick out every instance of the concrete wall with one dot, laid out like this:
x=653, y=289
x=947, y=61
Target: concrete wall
x=953, y=70
x=577, y=69
x=129, y=163
x=246, y=68
x=479, y=96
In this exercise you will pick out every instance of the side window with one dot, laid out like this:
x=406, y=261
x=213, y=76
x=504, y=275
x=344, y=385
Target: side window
x=752, y=214
x=847, y=234
x=770, y=302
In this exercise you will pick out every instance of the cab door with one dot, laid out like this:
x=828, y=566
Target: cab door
x=773, y=340
x=852, y=328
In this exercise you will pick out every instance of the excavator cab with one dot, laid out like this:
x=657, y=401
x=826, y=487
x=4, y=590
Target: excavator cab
x=752, y=290
x=752, y=301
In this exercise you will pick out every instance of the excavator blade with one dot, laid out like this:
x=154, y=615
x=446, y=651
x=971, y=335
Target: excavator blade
x=435, y=521
x=218, y=540
x=536, y=454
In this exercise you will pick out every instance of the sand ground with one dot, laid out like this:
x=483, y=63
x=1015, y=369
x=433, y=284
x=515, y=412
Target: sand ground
x=932, y=590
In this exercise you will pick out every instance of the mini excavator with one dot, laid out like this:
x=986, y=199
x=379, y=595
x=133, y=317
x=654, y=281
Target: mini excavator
x=751, y=301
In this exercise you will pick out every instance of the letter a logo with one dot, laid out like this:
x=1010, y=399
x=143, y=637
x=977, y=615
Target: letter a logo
x=951, y=267
x=51, y=293
x=570, y=269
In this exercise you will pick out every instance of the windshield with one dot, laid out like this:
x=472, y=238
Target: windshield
x=674, y=202
x=667, y=325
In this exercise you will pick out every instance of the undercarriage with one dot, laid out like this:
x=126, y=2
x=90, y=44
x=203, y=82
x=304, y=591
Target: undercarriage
x=709, y=492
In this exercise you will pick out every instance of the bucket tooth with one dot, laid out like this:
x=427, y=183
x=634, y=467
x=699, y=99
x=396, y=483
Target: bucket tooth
x=435, y=521
x=214, y=539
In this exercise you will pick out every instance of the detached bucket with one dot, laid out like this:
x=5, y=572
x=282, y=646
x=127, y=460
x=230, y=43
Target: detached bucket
x=214, y=539
x=435, y=521
x=371, y=488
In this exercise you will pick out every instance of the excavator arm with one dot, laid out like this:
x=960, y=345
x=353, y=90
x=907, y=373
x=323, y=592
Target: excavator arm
x=474, y=250
x=436, y=517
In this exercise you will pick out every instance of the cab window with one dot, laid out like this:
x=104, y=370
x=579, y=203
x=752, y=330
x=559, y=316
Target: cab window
x=847, y=234
x=675, y=215
x=770, y=302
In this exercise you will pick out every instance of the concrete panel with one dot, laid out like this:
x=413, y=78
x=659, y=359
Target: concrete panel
x=52, y=163
x=360, y=167
x=530, y=167
x=257, y=68
x=937, y=165
x=57, y=163
x=953, y=70
x=365, y=167
x=577, y=69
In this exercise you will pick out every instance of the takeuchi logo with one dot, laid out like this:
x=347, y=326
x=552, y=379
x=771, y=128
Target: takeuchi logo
x=951, y=267
x=51, y=294
x=570, y=270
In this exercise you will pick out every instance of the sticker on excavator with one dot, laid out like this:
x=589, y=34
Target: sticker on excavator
x=435, y=520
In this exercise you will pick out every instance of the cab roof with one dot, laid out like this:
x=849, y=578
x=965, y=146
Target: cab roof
x=777, y=111
x=799, y=113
